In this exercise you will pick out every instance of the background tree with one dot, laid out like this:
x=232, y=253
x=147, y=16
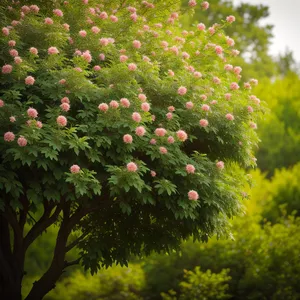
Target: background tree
x=112, y=126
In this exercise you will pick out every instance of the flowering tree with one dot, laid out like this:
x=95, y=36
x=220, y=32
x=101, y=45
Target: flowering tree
x=119, y=127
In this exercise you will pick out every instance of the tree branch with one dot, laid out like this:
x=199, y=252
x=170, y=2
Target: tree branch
x=76, y=242
x=72, y=263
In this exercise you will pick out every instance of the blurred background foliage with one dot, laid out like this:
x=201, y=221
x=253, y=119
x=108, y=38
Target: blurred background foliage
x=262, y=260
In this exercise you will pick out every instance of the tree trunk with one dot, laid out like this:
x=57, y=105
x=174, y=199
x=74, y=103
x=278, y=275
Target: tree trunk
x=11, y=272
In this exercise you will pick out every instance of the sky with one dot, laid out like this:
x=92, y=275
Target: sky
x=284, y=15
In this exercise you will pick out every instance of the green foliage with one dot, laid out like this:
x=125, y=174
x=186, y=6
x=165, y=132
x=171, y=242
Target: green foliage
x=279, y=131
x=115, y=283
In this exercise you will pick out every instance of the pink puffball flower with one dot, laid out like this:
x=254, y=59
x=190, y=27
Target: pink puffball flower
x=12, y=43
x=97, y=68
x=132, y=67
x=48, y=21
x=201, y=26
x=33, y=51
x=1, y=103
x=22, y=142
x=253, y=125
x=228, y=96
x=169, y=115
x=75, y=169
x=125, y=102
x=189, y=105
x=6, y=69
x=61, y=121
x=136, y=117
x=205, y=5
x=65, y=100
x=192, y=3
x=32, y=112
x=230, y=42
x=140, y=131
x=9, y=136
x=229, y=117
x=203, y=97
x=205, y=107
x=104, y=41
x=234, y=86
x=153, y=141
x=34, y=8
x=181, y=135
x=190, y=169
x=39, y=124
x=219, y=50
x=136, y=44
x=145, y=106
x=25, y=9
x=66, y=27
x=123, y=58
x=29, y=80
x=230, y=19
x=96, y=29
x=142, y=97
x=58, y=12
x=182, y=90
x=133, y=17
x=131, y=167
x=103, y=107
x=87, y=56
x=153, y=173
x=114, y=19
x=103, y=15
x=160, y=131
x=127, y=138
x=228, y=67
x=203, y=123
x=53, y=50
x=62, y=81
x=216, y=80
x=171, y=73
x=65, y=106
x=12, y=119
x=163, y=150
x=197, y=74
x=5, y=31
x=171, y=108
x=18, y=60
x=171, y=140
x=237, y=70
x=114, y=104
x=250, y=109
x=102, y=56
x=193, y=195
x=82, y=33
x=220, y=165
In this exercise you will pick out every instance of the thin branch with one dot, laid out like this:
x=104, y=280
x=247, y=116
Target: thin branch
x=72, y=263
x=77, y=241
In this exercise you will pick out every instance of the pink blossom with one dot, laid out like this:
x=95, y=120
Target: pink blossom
x=136, y=117
x=169, y=115
x=142, y=97
x=140, y=131
x=228, y=67
x=253, y=125
x=234, y=86
x=95, y=29
x=219, y=50
x=65, y=100
x=114, y=104
x=136, y=44
x=182, y=90
x=48, y=21
x=216, y=80
x=213, y=102
x=127, y=138
x=254, y=81
x=190, y=169
x=102, y=56
x=75, y=169
x=15, y=23
x=220, y=165
x=62, y=81
x=230, y=42
x=211, y=30
x=170, y=140
x=160, y=131
x=132, y=167
x=132, y=67
x=192, y=3
x=12, y=119
x=53, y=50
x=163, y=150
x=153, y=141
x=103, y=107
x=131, y=9
x=65, y=106
x=29, y=80
x=82, y=33
x=34, y=8
x=203, y=123
x=6, y=69
x=185, y=55
x=123, y=58
x=97, y=68
x=201, y=26
x=33, y=50
x=87, y=56
x=181, y=135
x=32, y=113
x=61, y=121
x=171, y=73
x=125, y=102
x=197, y=74
x=39, y=124
x=58, y=12
x=78, y=69
x=85, y=2
x=25, y=9
x=203, y=97
x=103, y=15
x=174, y=49
x=250, y=109
x=153, y=173
x=12, y=43
x=133, y=17
x=9, y=136
x=164, y=44
x=18, y=60
x=227, y=96
x=145, y=106
x=114, y=19
x=5, y=31
x=193, y=195
x=229, y=117
x=230, y=19
x=235, y=52
x=189, y=105
x=22, y=142
x=205, y=107
x=237, y=70
x=205, y=5
x=146, y=58
x=1, y=103
x=171, y=108
x=66, y=27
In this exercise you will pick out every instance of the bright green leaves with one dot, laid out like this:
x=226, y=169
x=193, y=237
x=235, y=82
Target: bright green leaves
x=165, y=186
x=85, y=183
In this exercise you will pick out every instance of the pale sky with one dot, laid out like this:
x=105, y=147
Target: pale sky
x=285, y=16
